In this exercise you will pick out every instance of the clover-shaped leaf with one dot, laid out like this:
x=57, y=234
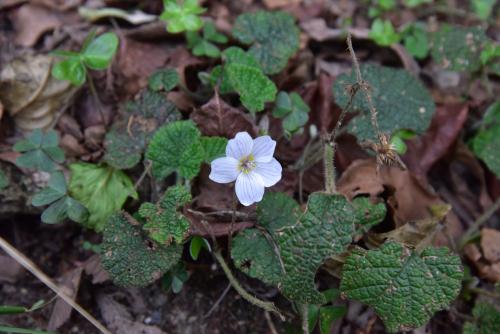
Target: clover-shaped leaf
x=62, y=206
x=243, y=75
x=486, y=143
x=486, y=319
x=293, y=110
x=405, y=288
x=71, y=70
x=182, y=16
x=102, y=189
x=40, y=151
x=164, y=80
x=383, y=33
x=163, y=223
x=130, y=257
x=204, y=46
x=273, y=36
x=127, y=140
x=416, y=40
x=401, y=101
x=4, y=180
x=458, y=48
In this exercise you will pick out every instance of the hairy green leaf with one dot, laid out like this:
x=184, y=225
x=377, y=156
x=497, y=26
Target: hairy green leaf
x=458, y=48
x=213, y=148
x=486, y=319
x=486, y=143
x=273, y=36
x=102, y=189
x=130, y=257
x=401, y=101
x=293, y=110
x=164, y=224
x=405, y=288
x=40, y=151
x=176, y=147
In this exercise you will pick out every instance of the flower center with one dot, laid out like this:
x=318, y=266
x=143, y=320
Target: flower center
x=247, y=164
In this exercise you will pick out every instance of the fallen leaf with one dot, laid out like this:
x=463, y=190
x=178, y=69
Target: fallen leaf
x=273, y=4
x=490, y=244
x=217, y=118
x=135, y=17
x=94, y=268
x=10, y=269
x=213, y=196
x=31, y=22
x=70, y=282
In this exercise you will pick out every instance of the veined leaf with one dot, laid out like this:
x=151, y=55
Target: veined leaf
x=40, y=151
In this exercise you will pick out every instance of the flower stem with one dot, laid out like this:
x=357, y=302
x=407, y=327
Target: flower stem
x=268, y=306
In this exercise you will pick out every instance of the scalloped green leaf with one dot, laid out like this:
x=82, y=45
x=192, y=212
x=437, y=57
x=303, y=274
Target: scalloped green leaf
x=130, y=257
x=213, y=148
x=486, y=319
x=102, y=189
x=164, y=224
x=486, y=143
x=458, y=48
x=273, y=36
x=405, y=288
x=40, y=151
x=127, y=140
x=401, y=101
x=176, y=147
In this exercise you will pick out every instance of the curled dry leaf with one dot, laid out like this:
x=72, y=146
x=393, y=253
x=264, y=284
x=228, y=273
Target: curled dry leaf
x=31, y=21
x=217, y=118
x=490, y=243
x=30, y=94
x=486, y=259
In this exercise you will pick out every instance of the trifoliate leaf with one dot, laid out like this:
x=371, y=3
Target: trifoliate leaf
x=71, y=69
x=127, y=140
x=401, y=101
x=403, y=287
x=486, y=320
x=273, y=36
x=486, y=143
x=204, y=46
x=129, y=257
x=61, y=206
x=293, y=110
x=4, y=180
x=382, y=32
x=102, y=189
x=164, y=80
x=175, y=278
x=182, y=16
x=40, y=151
x=176, y=147
x=163, y=223
x=213, y=148
x=99, y=53
x=416, y=41
x=458, y=48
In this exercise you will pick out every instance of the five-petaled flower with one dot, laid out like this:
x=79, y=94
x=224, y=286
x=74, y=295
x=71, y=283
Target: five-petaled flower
x=250, y=162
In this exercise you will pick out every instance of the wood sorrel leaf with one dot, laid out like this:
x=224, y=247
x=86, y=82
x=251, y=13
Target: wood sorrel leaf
x=40, y=151
x=99, y=52
x=405, y=288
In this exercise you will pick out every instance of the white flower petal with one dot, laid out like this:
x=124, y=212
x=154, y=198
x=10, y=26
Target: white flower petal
x=224, y=170
x=270, y=172
x=249, y=188
x=263, y=148
x=240, y=146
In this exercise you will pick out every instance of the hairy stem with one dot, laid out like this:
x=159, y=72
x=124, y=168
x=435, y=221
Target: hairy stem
x=328, y=154
x=304, y=315
x=268, y=306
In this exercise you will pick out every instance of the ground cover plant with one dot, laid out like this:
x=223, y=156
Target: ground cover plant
x=268, y=166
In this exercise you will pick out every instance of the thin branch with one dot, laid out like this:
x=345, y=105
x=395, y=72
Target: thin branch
x=32, y=268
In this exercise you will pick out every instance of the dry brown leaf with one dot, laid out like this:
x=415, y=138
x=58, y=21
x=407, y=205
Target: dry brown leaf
x=94, y=268
x=274, y=4
x=70, y=282
x=490, y=244
x=31, y=22
x=10, y=269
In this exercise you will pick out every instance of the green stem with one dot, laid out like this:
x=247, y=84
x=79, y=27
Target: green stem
x=268, y=306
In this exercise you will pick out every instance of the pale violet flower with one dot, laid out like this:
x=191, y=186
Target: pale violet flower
x=250, y=163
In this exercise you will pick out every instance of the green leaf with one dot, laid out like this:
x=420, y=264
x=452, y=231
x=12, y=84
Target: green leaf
x=382, y=32
x=204, y=46
x=65, y=207
x=40, y=151
x=100, y=52
x=405, y=288
x=127, y=140
x=327, y=315
x=273, y=36
x=4, y=180
x=210, y=34
x=101, y=189
x=71, y=70
x=56, y=188
x=195, y=246
x=416, y=41
x=486, y=143
x=213, y=147
x=16, y=330
x=458, y=48
x=490, y=53
x=175, y=278
x=415, y=3
x=486, y=319
x=182, y=16
x=398, y=145
x=164, y=80
x=164, y=224
x=401, y=101
x=277, y=210
x=483, y=8
x=129, y=257
x=293, y=110
x=176, y=147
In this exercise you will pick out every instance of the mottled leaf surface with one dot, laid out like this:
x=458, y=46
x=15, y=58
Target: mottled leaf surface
x=486, y=320
x=486, y=143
